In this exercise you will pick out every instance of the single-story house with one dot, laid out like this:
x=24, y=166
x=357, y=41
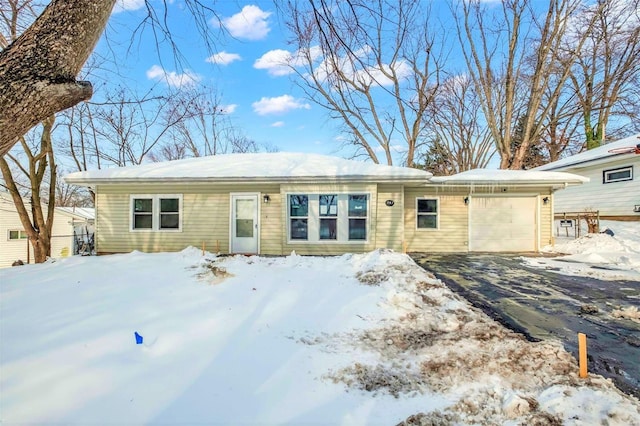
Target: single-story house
x=69, y=225
x=614, y=186
x=277, y=203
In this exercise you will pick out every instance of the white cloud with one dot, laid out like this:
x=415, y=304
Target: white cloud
x=172, y=78
x=275, y=61
x=223, y=58
x=122, y=5
x=278, y=62
x=250, y=24
x=277, y=124
x=228, y=109
x=278, y=105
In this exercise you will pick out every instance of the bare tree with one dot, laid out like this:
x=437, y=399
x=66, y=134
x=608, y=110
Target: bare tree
x=512, y=57
x=373, y=65
x=606, y=74
x=460, y=141
x=36, y=220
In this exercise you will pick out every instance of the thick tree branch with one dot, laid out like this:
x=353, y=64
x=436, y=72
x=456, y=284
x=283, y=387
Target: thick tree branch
x=38, y=70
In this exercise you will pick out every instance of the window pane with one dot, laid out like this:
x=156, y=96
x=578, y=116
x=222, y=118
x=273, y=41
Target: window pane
x=169, y=221
x=142, y=221
x=328, y=229
x=142, y=205
x=328, y=205
x=169, y=205
x=429, y=221
x=14, y=235
x=357, y=229
x=299, y=229
x=427, y=206
x=358, y=205
x=621, y=175
x=298, y=205
x=244, y=228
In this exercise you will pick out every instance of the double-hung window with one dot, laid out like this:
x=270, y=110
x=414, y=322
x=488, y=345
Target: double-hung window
x=158, y=212
x=427, y=213
x=327, y=218
x=358, y=217
x=299, y=216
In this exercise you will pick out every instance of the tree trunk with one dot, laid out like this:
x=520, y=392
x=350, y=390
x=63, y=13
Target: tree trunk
x=38, y=70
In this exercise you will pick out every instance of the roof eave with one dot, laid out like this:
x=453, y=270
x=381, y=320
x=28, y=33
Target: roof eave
x=244, y=180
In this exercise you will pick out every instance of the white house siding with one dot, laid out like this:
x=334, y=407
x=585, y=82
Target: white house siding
x=612, y=200
x=62, y=241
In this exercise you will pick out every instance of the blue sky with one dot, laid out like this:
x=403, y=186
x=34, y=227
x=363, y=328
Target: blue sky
x=258, y=95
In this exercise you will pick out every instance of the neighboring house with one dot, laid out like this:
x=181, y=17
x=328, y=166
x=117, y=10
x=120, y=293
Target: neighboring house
x=277, y=203
x=68, y=222
x=614, y=186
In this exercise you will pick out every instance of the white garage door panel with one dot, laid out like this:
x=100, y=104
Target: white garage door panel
x=503, y=224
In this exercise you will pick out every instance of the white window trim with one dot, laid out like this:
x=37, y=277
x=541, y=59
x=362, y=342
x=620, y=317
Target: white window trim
x=605, y=173
x=437, y=214
x=20, y=232
x=313, y=218
x=155, y=212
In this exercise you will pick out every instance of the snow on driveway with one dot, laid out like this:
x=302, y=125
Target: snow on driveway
x=355, y=339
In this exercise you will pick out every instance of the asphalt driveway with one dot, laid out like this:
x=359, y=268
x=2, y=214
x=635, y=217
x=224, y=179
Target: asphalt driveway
x=542, y=304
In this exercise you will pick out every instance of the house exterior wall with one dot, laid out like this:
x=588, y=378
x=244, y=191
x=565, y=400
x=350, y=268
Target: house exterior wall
x=206, y=218
x=12, y=250
x=612, y=200
x=330, y=247
x=453, y=222
x=453, y=233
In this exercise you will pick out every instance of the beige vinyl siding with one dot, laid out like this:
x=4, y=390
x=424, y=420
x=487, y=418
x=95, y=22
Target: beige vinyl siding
x=205, y=217
x=452, y=232
x=390, y=220
x=546, y=220
x=271, y=223
x=330, y=247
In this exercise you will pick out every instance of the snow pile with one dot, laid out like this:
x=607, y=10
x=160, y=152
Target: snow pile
x=355, y=339
x=600, y=256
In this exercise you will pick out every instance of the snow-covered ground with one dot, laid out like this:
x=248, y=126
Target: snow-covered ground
x=600, y=255
x=356, y=339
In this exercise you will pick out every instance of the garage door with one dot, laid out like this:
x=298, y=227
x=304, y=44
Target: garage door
x=502, y=224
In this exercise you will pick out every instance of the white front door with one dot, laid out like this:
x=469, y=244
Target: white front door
x=244, y=223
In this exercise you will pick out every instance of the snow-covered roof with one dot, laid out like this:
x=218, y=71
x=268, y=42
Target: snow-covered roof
x=595, y=155
x=81, y=212
x=520, y=177
x=257, y=167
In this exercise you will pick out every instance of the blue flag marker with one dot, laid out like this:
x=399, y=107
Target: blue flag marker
x=138, y=338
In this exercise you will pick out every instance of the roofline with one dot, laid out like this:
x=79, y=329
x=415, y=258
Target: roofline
x=529, y=183
x=263, y=180
x=591, y=161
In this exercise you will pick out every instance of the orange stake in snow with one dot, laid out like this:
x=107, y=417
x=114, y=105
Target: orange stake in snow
x=582, y=353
